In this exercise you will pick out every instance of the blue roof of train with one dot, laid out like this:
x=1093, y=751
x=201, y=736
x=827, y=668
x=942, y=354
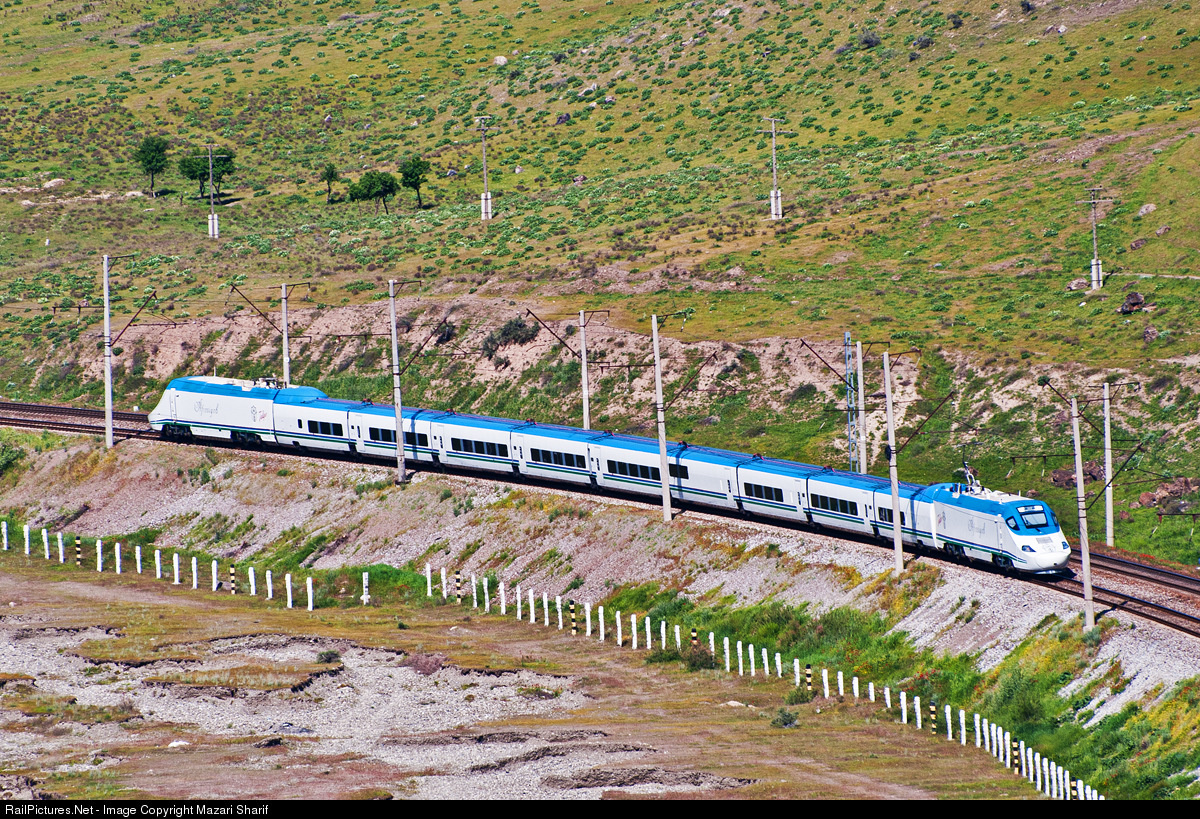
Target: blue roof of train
x=563, y=433
x=871, y=483
x=289, y=395
x=475, y=421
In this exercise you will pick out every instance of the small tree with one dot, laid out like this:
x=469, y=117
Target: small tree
x=194, y=166
x=329, y=175
x=152, y=156
x=413, y=171
x=377, y=185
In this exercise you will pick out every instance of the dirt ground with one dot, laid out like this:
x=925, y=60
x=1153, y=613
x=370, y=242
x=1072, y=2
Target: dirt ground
x=125, y=686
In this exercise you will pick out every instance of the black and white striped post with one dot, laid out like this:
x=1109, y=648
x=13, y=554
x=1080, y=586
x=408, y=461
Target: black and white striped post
x=932, y=717
x=808, y=677
x=695, y=642
x=232, y=580
x=574, y=625
x=457, y=587
x=78, y=552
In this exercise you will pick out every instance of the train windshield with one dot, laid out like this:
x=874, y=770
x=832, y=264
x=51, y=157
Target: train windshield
x=1034, y=517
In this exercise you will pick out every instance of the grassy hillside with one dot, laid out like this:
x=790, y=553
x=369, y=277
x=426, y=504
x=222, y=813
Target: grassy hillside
x=931, y=160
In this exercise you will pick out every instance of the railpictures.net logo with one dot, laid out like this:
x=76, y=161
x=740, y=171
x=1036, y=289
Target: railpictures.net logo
x=129, y=811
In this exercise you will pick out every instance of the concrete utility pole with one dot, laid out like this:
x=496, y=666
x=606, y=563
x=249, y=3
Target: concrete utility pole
x=897, y=539
x=587, y=417
x=662, y=424
x=485, y=201
x=1097, y=271
x=287, y=356
x=862, y=416
x=108, y=356
x=1108, y=472
x=776, y=195
x=852, y=387
x=1089, y=611
x=214, y=228
x=396, y=402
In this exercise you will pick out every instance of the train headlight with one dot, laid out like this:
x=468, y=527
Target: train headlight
x=1065, y=546
x=1026, y=548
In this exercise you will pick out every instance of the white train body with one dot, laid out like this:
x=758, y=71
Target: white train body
x=966, y=521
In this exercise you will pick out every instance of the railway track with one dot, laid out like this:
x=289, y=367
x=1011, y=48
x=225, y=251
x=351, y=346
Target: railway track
x=53, y=417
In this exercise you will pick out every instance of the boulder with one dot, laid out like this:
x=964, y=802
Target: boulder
x=1147, y=209
x=1137, y=244
x=1133, y=303
x=1079, y=284
x=1150, y=334
x=500, y=59
x=563, y=119
x=1163, y=231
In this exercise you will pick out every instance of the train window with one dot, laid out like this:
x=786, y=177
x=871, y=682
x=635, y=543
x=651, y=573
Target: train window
x=477, y=447
x=314, y=427
x=886, y=516
x=1033, y=517
x=677, y=471
x=770, y=493
x=412, y=438
x=1012, y=523
x=337, y=430
x=649, y=473
x=299, y=424
x=838, y=505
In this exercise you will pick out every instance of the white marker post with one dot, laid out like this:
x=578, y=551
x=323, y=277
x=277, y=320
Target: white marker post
x=519, y=598
x=428, y=582
x=904, y=708
x=158, y=564
x=503, y=600
x=270, y=586
x=195, y=572
x=678, y=644
x=287, y=579
x=99, y=555
x=26, y=539
x=712, y=644
x=887, y=697
x=214, y=575
x=766, y=664
x=741, y=672
x=662, y=633
x=308, y=584
x=137, y=554
x=600, y=621
x=917, y=711
x=474, y=593
x=533, y=609
x=253, y=583
x=175, y=564
x=116, y=554
x=649, y=642
x=871, y=691
x=618, y=622
x=854, y=687
x=443, y=582
x=62, y=555
x=366, y=595
x=750, y=651
x=487, y=597
x=725, y=643
x=587, y=616
x=841, y=685
x=558, y=608
x=987, y=737
x=46, y=542
x=633, y=629
x=949, y=723
x=978, y=738
x=546, y=609
x=825, y=681
x=796, y=669
x=4, y=533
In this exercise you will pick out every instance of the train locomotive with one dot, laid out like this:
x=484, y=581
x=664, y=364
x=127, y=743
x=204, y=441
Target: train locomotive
x=962, y=520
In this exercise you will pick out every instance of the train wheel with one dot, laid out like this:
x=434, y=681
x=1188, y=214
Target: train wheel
x=1003, y=562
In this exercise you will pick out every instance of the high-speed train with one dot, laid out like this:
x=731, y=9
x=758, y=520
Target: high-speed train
x=964, y=520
